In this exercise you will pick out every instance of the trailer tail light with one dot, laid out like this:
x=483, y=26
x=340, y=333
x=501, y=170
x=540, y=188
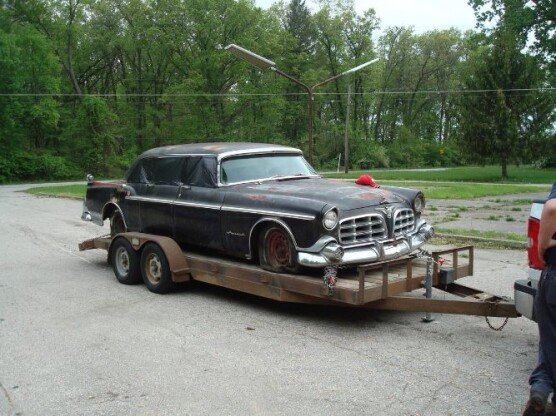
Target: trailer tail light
x=533, y=249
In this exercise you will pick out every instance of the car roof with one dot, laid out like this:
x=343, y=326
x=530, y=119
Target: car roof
x=217, y=149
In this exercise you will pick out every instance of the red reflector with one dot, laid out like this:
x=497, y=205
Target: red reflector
x=533, y=250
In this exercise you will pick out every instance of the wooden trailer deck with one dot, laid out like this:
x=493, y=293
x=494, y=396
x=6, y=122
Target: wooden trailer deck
x=384, y=285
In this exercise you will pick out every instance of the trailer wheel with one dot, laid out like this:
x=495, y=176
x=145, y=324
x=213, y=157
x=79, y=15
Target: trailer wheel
x=155, y=269
x=125, y=262
x=276, y=250
x=117, y=224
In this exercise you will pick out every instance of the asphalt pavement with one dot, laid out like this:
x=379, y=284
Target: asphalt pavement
x=73, y=341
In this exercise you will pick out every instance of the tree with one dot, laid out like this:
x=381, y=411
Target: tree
x=298, y=60
x=519, y=113
x=344, y=40
x=503, y=110
x=535, y=16
x=61, y=22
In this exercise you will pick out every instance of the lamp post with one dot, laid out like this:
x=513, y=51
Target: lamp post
x=264, y=63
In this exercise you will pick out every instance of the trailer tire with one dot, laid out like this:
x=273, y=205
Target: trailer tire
x=276, y=250
x=125, y=262
x=155, y=269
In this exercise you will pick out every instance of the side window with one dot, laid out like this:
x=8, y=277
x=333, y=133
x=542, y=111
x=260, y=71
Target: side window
x=164, y=170
x=199, y=171
x=137, y=174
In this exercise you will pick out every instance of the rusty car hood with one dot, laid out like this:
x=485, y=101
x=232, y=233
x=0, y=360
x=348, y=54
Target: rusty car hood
x=343, y=195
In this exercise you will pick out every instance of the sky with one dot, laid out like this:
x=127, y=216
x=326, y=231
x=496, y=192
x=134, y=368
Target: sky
x=423, y=15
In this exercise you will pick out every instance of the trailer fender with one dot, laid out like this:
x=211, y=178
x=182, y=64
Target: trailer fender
x=176, y=260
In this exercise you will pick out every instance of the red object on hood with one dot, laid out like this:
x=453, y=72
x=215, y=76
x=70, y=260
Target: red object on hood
x=366, y=180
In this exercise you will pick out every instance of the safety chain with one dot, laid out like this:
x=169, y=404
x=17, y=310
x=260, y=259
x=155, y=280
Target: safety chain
x=440, y=262
x=330, y=278
x=500, y=327
x=503, y=323
x=428, y=255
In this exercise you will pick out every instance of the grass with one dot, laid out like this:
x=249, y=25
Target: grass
x=446, y=190
x=490, y=174
x=62, y=191
x=496, y=235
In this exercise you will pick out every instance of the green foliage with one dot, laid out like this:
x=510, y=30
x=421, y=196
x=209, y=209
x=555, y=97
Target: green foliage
x=24, y=166
x=97, y=82
x=92, y=135
x=369, y=154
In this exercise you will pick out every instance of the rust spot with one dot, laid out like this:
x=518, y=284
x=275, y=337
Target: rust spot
x=214, y=147
x=258, y=198
x=366, y=195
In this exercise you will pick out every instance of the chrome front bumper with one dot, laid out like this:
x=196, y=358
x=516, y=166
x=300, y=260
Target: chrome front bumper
x=334, y=255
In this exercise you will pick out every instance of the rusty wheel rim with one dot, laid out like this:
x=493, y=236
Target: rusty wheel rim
x=153, y=269
x=122, y=261
x=278, y=249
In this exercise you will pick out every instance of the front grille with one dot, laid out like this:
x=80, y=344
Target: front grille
x=404, y=222
x=362, y=229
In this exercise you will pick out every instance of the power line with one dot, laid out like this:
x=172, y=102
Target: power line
x=224, y=95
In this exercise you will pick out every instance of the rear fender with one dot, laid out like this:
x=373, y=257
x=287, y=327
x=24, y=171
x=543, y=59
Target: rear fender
x=109, y=209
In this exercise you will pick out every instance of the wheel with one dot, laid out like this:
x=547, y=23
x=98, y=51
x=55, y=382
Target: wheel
x=155, y=269
x=276, y=250
x=125, y=262
x=117, y=224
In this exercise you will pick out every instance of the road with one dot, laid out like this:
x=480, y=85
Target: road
x=73, y=341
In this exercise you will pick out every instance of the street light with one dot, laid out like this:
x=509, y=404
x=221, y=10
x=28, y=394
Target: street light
x=264, y=63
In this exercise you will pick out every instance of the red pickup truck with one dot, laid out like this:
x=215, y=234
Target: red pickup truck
x=525, y=289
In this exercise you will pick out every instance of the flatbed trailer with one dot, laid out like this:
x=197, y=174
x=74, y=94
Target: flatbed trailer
x=384, y=285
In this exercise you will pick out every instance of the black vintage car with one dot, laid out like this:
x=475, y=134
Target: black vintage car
x=259, y=201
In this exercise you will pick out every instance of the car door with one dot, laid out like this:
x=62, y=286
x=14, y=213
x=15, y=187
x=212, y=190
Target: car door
x=159, y=195
x=131, y=205
x=197, y=213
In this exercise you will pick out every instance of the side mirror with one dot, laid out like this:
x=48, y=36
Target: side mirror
x=90, y=178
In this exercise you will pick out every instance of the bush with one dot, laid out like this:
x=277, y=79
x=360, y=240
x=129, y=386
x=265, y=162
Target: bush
x=368, y=154
x=23, y=166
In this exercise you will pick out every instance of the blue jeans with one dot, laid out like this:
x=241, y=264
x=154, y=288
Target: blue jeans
x=542, y=378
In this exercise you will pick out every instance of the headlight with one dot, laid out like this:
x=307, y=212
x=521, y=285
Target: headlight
x=419, y=203
x=330, y=219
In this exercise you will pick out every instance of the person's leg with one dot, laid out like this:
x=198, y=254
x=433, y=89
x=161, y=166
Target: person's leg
x=541, y=379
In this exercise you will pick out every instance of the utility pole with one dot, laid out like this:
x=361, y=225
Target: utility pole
x=346, y=138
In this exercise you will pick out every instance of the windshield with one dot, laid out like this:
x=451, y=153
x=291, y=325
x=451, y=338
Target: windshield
x=261, y=167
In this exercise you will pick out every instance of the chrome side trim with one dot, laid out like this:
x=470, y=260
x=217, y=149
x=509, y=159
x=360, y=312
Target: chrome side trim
x=224, y=208
x=173, y=202
x=265, y=212
x=195, y=205
x=147, y=199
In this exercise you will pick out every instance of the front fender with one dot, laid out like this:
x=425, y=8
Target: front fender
x=258, y=226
